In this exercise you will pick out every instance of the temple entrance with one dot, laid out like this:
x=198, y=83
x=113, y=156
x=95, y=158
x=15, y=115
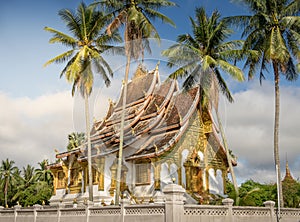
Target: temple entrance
x=194, y=173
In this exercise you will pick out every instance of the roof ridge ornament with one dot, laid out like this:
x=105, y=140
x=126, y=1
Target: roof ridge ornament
x=157, y=65
x=140, y=71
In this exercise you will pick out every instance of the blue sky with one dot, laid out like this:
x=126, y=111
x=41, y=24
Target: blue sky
x=37, y=111
x=26, y=47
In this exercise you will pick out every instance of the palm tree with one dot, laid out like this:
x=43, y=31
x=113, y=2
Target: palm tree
x=75, y=140
x=29, y=177
x=43, y=173
x=202, y=57
x=85, y=57
x=136, y=16
x=272, y=30
x=7, y=170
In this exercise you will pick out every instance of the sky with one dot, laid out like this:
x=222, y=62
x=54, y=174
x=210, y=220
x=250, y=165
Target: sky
x=38, y=111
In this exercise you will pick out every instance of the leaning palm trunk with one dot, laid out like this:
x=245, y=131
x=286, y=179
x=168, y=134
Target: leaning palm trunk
x=228, y=159
x=276, y=134
x=87, y=125
x=119, y=167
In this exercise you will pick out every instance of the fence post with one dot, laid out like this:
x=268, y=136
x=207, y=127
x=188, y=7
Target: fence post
x=16, y=208
x=270, y=204
x=60, y=206
x=36, y=207
x=174, y=208
x=124, y=202
x=228, y=202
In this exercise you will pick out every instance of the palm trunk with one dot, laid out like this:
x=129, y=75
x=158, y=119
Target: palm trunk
x=87, y=125
x=276, y=134
x=5, y=192
x=119, y=167
x=236, y=188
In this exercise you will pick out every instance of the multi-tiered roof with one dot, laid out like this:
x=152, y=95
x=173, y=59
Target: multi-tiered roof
x=156, y=116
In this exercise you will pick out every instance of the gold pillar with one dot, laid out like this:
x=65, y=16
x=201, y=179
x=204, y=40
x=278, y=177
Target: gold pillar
x=84, y=175
x=207, y=179
x=188, y=177
x=101, y=173
x=55, y=179
x=224, y=180
x=179, y=171
x=66, y=174
x=157, y=169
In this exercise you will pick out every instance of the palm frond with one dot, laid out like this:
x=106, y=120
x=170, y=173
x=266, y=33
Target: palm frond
x=184, y=70
x=115, y=24
x=223, y=86
x=155, y=14
x=232, y=70
x=103, y=73
x=292, y=8
x=59, y=37
x=194, y=78
x=72, y=22
x=60, y=58
x=290, y=71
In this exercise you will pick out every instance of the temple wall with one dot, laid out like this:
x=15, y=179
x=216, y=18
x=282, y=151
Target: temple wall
x=216, y=182
x=107, y=173
x=172, y=210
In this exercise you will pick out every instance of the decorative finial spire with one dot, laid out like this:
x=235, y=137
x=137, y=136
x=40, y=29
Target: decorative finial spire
x=157, y=65
x=287, y=169
x=288, y=175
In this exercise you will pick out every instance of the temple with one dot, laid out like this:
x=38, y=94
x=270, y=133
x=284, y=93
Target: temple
x=167, y=139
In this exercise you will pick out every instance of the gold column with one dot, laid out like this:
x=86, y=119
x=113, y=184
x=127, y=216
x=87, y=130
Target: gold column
x=188, y=177
x=207, y=179
x=84, y=175
x=55, y=179
x=224, y=180
x=179, y=168
x=157, y=169
x=101, y=174
x=66, y=174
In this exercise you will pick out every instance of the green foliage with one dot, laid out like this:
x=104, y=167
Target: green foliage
x=204, y=54
x=291, y=193
x=136, y=16
x=27, y=187
x=252, y=193
x=75, y=140
x=8, y=175
x=230, y=191
x=273, y=32
x=255, y=194
x=35, y=194
x=87, y=44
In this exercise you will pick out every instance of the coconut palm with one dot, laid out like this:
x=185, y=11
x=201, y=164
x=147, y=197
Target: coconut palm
x=136, y=16
x=75, y=140
x=7, y=170
x=272, y=29
x=85, y=58
x=43, y=173
x=29, y=177
x=202, y=58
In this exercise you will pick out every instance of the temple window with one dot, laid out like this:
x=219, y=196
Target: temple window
x=60, y=179
x=142, y=174
x=74, y=177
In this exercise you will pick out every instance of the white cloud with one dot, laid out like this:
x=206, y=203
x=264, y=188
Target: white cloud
x=31, y=128
x=249, y=128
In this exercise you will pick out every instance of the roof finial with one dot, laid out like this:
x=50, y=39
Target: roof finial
x=157, y=65
x=288, y=174
x=287, y=170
